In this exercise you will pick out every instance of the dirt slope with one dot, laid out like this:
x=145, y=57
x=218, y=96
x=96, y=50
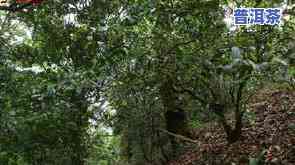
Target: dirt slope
x=271, y=128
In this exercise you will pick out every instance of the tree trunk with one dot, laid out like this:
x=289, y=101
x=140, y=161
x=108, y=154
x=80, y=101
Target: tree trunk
x=176, y=119
x=80, y=118
x=233, y=134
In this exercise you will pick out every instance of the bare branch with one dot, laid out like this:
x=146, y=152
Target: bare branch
x=181, y=137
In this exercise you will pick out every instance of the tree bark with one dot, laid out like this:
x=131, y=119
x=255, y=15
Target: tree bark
x=176, y=119
x=233, y=134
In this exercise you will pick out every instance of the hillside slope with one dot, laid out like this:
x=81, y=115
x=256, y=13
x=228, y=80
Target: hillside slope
x=271, y=128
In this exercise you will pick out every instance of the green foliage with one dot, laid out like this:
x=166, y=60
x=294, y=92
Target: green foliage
x=137, y=60
x=104, y=149
x=259, y=160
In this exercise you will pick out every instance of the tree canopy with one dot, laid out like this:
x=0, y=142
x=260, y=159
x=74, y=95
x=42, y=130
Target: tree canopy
x=129, y=82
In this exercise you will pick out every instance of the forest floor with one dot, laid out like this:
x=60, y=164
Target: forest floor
x=270, y=128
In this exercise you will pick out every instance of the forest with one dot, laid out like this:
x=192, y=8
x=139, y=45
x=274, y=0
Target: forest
x=146, y=82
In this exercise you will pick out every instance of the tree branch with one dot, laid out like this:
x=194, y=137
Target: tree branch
x=181, y=137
